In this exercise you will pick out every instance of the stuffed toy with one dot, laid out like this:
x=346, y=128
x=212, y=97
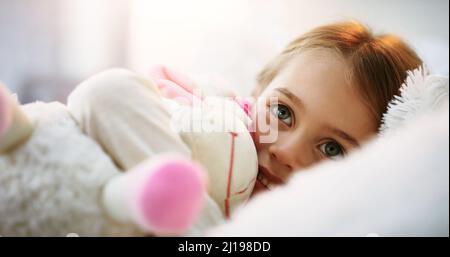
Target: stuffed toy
x=225, y=121
x=55, y=180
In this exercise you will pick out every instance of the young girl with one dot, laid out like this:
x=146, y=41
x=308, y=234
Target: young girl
x=332, y=84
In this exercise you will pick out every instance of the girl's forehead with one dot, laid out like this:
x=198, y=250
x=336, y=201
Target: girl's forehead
x=320, y=70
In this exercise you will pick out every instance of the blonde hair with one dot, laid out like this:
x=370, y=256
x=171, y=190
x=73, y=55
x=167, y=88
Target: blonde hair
x=378, y=63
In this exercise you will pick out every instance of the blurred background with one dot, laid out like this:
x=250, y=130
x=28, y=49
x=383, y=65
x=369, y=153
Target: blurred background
x=48, y=46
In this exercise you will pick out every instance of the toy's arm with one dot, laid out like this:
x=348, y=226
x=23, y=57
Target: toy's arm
x=124, y=113
x=15, y=127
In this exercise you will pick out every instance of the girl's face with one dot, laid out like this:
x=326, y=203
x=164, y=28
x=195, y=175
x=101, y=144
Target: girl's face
x=319, y=114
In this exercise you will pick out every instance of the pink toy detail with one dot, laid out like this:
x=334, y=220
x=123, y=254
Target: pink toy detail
x=170, y=199
x=174, y=84
x=245, y=105
x=173, y=91
x=163, y=72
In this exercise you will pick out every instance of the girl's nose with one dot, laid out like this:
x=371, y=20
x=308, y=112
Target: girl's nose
x=285, y=157
x=294, y=152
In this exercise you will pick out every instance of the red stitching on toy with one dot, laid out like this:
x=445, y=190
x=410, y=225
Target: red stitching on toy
x=230, y=175
x=246, y=188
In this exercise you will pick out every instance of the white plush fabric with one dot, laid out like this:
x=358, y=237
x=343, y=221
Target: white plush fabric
x=71, y=168
x=420, y=94
x=397, y=185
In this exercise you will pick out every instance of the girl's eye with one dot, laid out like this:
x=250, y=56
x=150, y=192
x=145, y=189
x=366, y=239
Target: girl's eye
x=332, y=150
x=282, y=112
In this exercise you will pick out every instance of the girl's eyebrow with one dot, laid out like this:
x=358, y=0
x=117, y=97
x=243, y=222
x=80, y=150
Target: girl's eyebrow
x=290, y=95
x=345, y=136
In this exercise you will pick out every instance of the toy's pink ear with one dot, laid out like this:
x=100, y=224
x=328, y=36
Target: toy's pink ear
x=172, y=91
x=174, y=85
x=169, y=199
x=161, y=72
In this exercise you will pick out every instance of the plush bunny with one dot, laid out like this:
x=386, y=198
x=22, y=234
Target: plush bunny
x=55, y=180
x=226, y=121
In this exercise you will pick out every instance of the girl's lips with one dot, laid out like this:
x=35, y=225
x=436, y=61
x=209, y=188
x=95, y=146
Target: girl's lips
x=268, y=177
x=273, y=179
x=258, y=188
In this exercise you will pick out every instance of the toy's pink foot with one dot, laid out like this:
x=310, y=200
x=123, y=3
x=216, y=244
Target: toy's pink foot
x=169, y=198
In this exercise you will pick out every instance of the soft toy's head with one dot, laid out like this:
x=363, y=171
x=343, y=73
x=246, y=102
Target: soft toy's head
x=217, y=134
x=216, y=131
